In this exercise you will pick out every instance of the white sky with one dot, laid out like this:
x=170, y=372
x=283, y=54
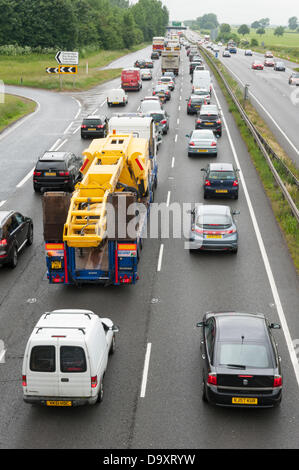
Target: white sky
x=234, y=11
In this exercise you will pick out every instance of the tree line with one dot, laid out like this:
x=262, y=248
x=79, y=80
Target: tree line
x=71, y=24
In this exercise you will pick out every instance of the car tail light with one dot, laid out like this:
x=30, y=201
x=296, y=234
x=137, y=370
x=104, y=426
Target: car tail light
x=164, y=121
x=100, y=126
x=3, y=242
x=64, y=173
x=94, y=381
x=198, y=121
x=218, y=122
x=212, y=379
x=207, y=183
x=154, y=92
x=200, y=231
x=37, y=173
x=213, y=144
x=191, y=144
x=83, y=125
x=24, y=380
x=228, y=232
x=277, y=382
x=236, y=183
x=189, y=103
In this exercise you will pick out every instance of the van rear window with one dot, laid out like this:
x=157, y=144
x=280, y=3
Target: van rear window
x=42, y=359
x=72, y=359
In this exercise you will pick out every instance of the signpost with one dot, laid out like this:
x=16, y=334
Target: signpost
x=67, y=57
x=68, y=62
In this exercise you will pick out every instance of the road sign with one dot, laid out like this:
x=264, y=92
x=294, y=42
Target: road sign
x=67, y=57
x=52, y=70
x=71, y=69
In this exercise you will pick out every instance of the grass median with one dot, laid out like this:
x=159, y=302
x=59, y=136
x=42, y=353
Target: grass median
x=14, y=108
x=30, y=70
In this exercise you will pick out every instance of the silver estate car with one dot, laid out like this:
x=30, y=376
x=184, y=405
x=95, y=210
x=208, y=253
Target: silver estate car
x=213, y=228
x=202, y=142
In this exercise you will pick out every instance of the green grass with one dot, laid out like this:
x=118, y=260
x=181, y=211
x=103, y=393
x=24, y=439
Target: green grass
x=31, y=70
x=14, y=108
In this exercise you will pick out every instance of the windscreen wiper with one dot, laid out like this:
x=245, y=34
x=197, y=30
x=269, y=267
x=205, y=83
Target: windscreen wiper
x=236, y=366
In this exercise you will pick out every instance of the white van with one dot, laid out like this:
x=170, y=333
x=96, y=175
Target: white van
x=117, y=96
x=66, y=358
x=201, y=79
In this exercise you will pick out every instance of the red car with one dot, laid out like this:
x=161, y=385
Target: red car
x=257, y=65
x=269, y=63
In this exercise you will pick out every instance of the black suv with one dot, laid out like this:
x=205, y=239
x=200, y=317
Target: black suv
x=16, y=231
x=94, y=126
x=209, y=118
x=57, y=170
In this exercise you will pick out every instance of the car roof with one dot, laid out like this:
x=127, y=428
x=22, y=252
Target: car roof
x=221, y=166
x=232, y=326
x=53, y=156
x=208, y=108
x=213, y=209
x=95, y=117
x=4, y=215
x=203, y=132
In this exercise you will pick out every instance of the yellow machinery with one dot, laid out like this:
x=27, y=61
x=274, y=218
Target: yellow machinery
x=114, y=164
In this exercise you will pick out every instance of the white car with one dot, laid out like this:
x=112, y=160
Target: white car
x=146, y=74
x=117, y=96
x=66, y=358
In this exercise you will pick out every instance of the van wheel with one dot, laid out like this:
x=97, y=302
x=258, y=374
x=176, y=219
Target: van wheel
x=113, y=346
x=101, y=393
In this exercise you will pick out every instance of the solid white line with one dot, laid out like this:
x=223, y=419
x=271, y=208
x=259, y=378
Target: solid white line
x=178, y=121
x=76, y=130
x=103, y=103
x=265, y=259
x=160, y=257
x=95, y=111
x=54, y=145
x=172, y=162
x=2, y=203
x=62, y=143
x=168, y=198
x=145, y=369
x=176, y=138
x=26, y=178
x=68, y=127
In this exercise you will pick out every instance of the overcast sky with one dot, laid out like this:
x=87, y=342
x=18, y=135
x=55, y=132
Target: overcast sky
x=234, y=11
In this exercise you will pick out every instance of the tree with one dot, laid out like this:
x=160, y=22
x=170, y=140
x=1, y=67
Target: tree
x=225, y=28
x=208, y=21
x=279, y=31
x=293, y=23
x=243, y=29
x=260, y=31
x=255, y=25
x=264, y=22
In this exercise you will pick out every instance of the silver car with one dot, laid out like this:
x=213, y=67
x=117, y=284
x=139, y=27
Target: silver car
x=213, y=228
x=202, y=142
x=146, y=74
x=204, y=93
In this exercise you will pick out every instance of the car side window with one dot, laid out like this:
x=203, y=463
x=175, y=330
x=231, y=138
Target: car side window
x=210, y=332
x=19, y=218
x=13, y=225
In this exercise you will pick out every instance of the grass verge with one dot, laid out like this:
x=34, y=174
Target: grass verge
x=281, y=209
x=31, y=70
x=14, y=108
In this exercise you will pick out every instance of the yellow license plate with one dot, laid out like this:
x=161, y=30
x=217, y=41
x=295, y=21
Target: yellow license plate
x=59, y=403
x=202, y=150
x=209, y=123
x=244, y=401
x=221, y=190
x=91, y=128
x=214, y=236
x=56, y=265
x=50, y=174
x=116, y=102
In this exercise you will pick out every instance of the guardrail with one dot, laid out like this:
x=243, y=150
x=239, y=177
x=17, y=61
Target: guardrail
x=263, y=145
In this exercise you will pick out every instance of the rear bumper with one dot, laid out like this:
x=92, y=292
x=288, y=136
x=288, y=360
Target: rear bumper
x=196, y=151
x=76, y=401
x=98, y=134
x=51, y=185
x=212, y=192
x=268, y=400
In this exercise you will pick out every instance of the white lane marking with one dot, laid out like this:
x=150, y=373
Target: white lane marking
x=95, y=111
x=178, y=121
x=76, y=130
x=54, y=145
x=145, y=369
x=2, y=203
x=6, y=132
x=160, y=257
x=103, y=103
x=267, y=112
x=265, y=259
x=26, y=178
x=62, y=143
x=176, y=138
x=179, y=108
x=80, y=107
x=168, y=198
x=172, y=162
x=68, y=127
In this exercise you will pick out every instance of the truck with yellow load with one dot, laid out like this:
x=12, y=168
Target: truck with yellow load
x=95, y=235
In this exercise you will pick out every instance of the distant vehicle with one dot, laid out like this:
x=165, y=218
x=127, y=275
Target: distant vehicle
x=194, y=104
x=209, y=118
x=294, y=78
x=239, y=360
x=198, y=67
x=220, y=44
x=221, y=179
x=213, y=228
x=131, y=79
x=155, y=55
x=226, y=53
x=193, y=64
x=170, y=74
x=57, y=171
x=257, y=65
x=269, y=55
x=248, y=52
x=148, y=106
x=269, y=63
x=279, y=66
x=117, y=97
x=204, y=94
x=96, y=126
x=66, y=358
x=161, y=118
x=141, y=64
x=167, y=81
x=149, y=64
x=162, y=90
x=16, y=231
x=202, y=142
x=232, y=49
x=146, y=74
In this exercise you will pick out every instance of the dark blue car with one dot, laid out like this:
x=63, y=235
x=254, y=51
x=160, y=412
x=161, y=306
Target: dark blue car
x=220, y=180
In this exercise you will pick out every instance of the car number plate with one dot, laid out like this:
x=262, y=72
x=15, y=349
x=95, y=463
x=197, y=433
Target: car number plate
x=115, y=102
x=221, y=190
x=209, y=123
x=56, y=265
x=244, y=401
x=91, y=128
x=202, y=150
x=214, y=236
x=59, y=403
x=50, y=174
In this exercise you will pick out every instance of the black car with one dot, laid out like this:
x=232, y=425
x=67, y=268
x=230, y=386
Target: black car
x=141, y=64
x=279, y=66
x=155, y=55
x=94, y=126
x=162, y=91
x=161, y=118
x=57, y=170
x=209, y=118
x=220, y=180
x=195, y=102
x=239, y=360
x=16, y=231
x=193, y=64
x=149, y=64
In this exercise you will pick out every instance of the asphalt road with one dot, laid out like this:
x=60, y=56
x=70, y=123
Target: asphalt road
x=157, y=315
x=276, y=100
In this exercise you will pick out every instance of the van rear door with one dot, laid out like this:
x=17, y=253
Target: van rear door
x=74, y=370
x=42, y=370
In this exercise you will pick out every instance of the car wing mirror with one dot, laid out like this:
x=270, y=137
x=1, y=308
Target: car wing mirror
x=203, y=169
x=187, y=135
x=236, y=212
x=200, y=324
x=275, y=326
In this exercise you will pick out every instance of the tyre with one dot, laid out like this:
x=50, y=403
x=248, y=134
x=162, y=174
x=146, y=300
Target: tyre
x=235, y=250
x=36, y=188
x=30, y=236
x=113, y=346
x=14, y=257
x=204, y=393
x=205, y=196
x=101, y=392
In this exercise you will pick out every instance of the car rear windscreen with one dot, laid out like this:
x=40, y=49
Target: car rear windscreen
x=72, y=359
x=157, y=117
x=247, y=355
x=222, y=175
x=213, y=220
x=209, y=117
x=92, y=122
x=46, y=165
x=42, y=359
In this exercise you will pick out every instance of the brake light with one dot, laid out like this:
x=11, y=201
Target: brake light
x=164, y=121
x=37, y=173
x=83, y=125
x=189, y=103
x=198, y=121
x=218, y=122
x=154, y=92
x=100, y=126
x=236, y=183
x=213, y=144
x=3, y=242
x=277, y=381
x=191, y=144
x=208, y=183
x=64, y=173
x=94, y=381
x=212, y=379
x=24, y=380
